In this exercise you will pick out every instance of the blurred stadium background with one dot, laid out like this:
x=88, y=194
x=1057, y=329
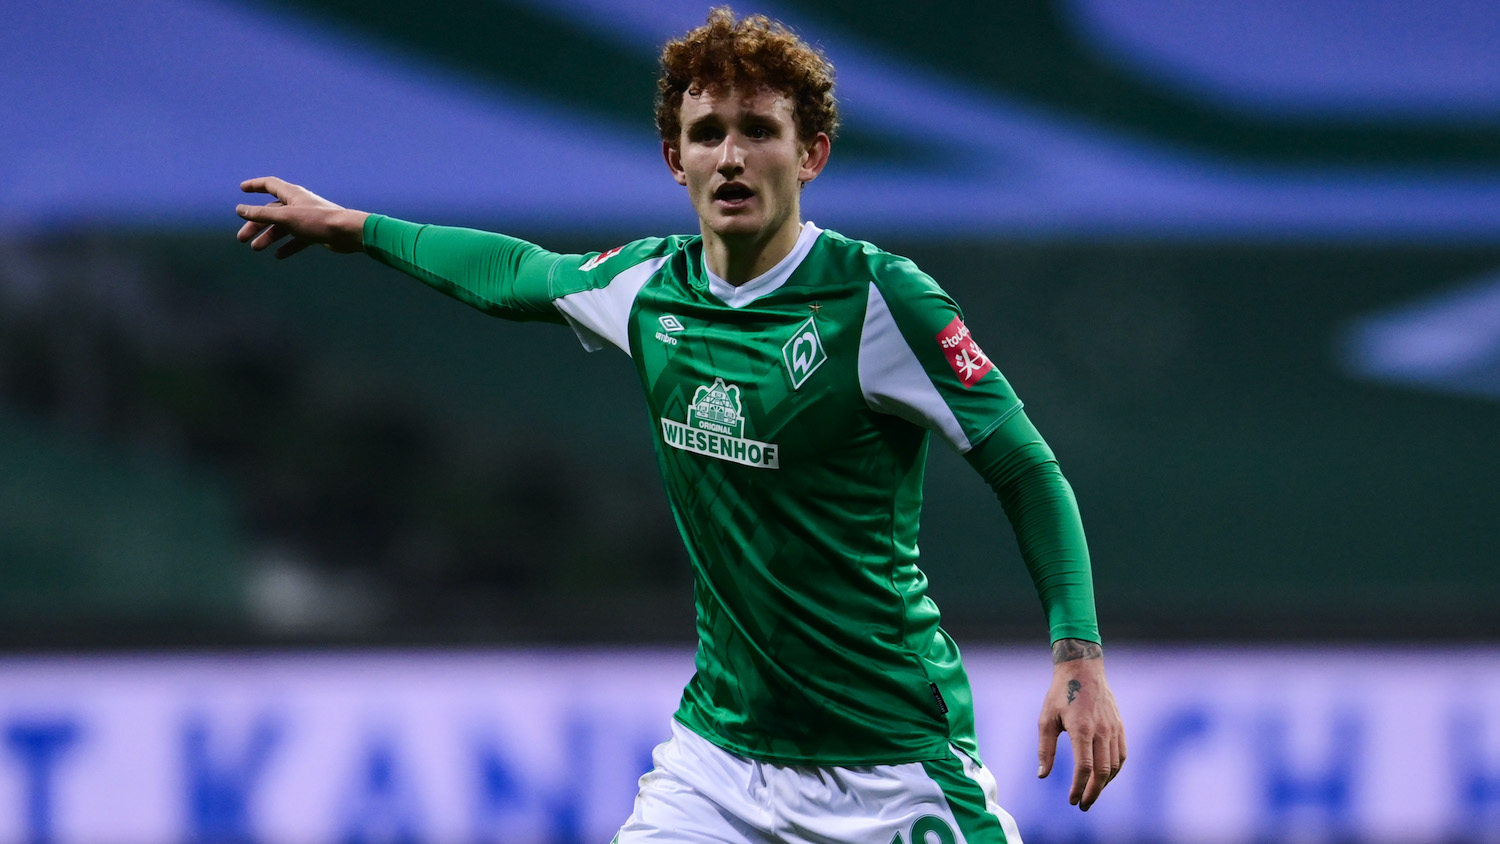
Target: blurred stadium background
x=306, y=552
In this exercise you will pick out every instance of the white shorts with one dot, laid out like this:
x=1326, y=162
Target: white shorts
x=699, y=793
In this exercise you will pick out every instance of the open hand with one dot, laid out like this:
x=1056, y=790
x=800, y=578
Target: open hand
x=300, y=214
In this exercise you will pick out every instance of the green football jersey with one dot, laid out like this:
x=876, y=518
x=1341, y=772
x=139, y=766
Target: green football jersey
x=791, y=417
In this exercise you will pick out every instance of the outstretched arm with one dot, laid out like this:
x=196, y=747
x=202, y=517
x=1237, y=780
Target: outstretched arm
x=1019, y=466
x=300, y=214
x=497, y=274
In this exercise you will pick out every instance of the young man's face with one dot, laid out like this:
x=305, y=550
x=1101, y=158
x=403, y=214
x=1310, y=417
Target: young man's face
x=742, y=163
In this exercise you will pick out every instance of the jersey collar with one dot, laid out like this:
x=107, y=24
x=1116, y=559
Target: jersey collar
x=768, y=281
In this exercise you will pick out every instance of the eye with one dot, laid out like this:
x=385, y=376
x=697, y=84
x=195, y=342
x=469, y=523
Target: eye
x=760, y=133
x=705, y=134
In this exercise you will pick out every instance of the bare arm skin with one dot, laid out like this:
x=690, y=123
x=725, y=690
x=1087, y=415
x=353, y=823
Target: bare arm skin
x=1080, y=703
x=300, y=214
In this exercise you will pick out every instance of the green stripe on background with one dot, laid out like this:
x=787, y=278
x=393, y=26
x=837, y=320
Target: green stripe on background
x=512, y=45
x=1033, y=51
x=1029, y=51
x=966, y=800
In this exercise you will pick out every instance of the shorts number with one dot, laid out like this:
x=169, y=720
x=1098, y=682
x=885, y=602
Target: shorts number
x=926, y=824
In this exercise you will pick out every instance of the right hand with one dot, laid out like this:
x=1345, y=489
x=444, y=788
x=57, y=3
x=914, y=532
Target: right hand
x=300, y=214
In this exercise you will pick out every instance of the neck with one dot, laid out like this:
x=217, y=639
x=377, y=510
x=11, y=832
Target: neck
x=740, y=259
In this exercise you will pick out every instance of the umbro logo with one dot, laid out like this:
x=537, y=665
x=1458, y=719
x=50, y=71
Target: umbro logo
x=670, y=325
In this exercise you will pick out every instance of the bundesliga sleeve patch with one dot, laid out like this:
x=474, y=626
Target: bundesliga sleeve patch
x=599, y=259
x=964, y=355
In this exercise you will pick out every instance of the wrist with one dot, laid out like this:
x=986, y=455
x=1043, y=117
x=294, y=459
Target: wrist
x=1073, y=650
x=351, y=228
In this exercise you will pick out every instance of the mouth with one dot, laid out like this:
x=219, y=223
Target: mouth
x=733, y=194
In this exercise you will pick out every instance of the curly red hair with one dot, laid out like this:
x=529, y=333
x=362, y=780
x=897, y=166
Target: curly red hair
x=752, y=53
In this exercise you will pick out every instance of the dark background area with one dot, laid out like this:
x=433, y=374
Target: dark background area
x=201, y=447
x=234, y=451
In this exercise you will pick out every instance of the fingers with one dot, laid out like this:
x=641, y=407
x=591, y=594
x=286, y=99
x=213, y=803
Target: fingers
x=289, y=249
x=1100, y=772
x=248, y=230
x=1097, y=762
x=269, y=223
x=270, y=236
x=1093, y=768
x=251, y=228
x=266, y=184
x=265, y=224
x=259, y=217
x=1083, y=767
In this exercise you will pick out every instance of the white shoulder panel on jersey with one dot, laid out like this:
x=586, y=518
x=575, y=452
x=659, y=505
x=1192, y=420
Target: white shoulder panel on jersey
x=601, y=316
x=893, y=380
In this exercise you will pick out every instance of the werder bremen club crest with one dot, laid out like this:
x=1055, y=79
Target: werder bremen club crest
x=803, y=353
x=715, y=428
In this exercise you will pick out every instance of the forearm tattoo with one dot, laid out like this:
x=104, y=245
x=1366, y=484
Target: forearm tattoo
x=1067, y=650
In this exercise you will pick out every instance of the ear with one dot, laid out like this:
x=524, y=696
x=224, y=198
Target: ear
x=814, y=158
x=673, y=154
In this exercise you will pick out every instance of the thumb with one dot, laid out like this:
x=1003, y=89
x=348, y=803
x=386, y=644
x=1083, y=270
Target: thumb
x=1046, y=751
x=269, y=213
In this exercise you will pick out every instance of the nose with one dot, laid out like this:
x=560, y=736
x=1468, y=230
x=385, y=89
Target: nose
x=731, y=157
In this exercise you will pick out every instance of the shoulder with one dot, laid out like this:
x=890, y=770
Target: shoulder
x=892, y=274
x=898, y=286
x=595, y=270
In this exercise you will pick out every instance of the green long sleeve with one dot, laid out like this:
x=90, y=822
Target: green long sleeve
x=500, y=275
x=1017, y=464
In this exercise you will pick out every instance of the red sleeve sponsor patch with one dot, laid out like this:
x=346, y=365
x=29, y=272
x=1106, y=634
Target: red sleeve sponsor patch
x=599, y=259
x=964, y=355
